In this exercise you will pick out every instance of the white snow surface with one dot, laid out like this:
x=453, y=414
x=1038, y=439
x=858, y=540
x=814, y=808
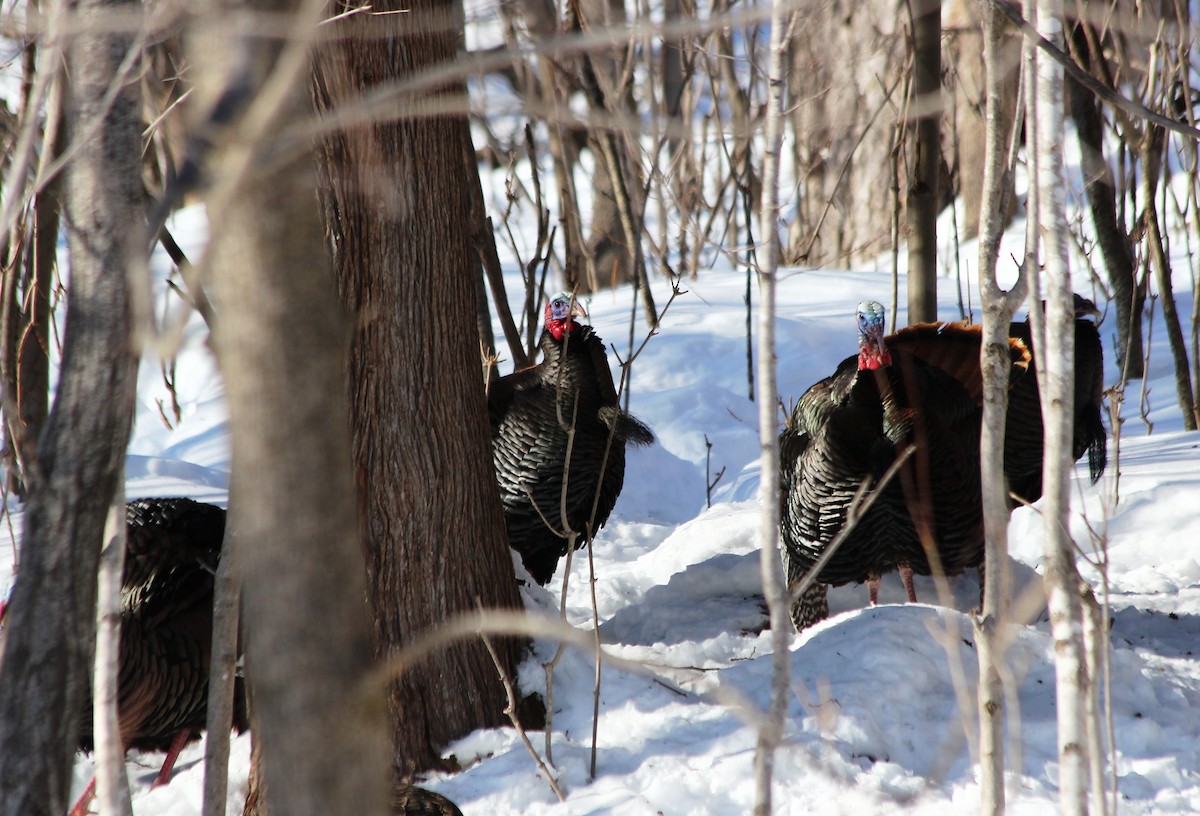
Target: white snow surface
x=875, y=722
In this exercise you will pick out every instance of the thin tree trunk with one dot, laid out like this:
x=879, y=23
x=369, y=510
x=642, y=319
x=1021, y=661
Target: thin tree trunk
x=616, y=180
x=770, y=732
x=1162, y=279
x=611, y=151
x=998, y=308
x=280, y=344
x=1151, y=162
x=433, y=527
x=27, y=349
x=579, y=267
x=922, y=204
x=1114, y=243
x=1055, y=365
x=222, y=669
x=33, y=344
x=112, y=784
x=51, y=620
x=671, y=65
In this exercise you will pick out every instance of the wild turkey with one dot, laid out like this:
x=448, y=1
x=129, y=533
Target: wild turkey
x=531, y=411
x=1023, y=440
x=406, y=799
x=1025, y=411
x=409, y=800
x=849, y=428
x=953, y=350
x=173, y=547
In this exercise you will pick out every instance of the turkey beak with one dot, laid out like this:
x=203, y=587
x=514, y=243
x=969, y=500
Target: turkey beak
x=577, y=309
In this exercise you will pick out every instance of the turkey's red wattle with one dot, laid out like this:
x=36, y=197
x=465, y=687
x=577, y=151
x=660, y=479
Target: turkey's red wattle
x=873, y=357
x=558, y=328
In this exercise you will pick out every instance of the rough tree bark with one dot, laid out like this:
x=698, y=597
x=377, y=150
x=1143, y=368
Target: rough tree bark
x=45, y=652
x=395, y=197
x=922, y=205
x=280, y=341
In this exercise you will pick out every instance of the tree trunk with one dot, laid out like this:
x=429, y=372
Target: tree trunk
x=994, y=362
x=395, y=196
x=27, y=343
x=33, y=346
x=48, y=638
x=222, y=669
x=112, y=783
x=1055, y=366
x=608, y=243
x=280, y=340
x=1151, y=160
x=969, y=98
x=775, y=591
x=923, y=183
x=1114, y=243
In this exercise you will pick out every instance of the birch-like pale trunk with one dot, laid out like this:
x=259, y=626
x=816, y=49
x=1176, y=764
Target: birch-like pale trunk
x=1095, y=633
x=770, y=731
x=998, y=308
x=1055, y=364
x=222, y=669
x=112, y=784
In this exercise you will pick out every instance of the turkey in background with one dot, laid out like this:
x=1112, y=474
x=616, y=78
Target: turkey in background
x=1025, y=409
x=531, y=413
x=847, y=429
x=172, y=550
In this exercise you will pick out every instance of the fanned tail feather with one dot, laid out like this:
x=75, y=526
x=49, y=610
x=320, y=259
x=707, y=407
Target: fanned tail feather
x=629, y=427
x=1097, y=446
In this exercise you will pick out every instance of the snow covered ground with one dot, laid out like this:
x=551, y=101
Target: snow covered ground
x=875, y=721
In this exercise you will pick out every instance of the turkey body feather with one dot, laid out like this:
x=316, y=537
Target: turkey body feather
x=847, y=430
x=921, y=386
x=173, y=548
x=1088, y=434
x=534, y=453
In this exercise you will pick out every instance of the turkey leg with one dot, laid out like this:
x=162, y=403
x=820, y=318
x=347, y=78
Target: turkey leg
x=906, y=575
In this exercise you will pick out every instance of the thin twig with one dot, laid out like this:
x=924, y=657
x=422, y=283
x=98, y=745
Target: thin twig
x=1085, y=79
x=510, y=711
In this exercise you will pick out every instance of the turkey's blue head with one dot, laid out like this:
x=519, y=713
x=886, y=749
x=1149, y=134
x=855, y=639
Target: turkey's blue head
x=872, y=351
x=560, y=312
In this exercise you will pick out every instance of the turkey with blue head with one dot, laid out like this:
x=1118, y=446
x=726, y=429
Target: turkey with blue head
x=558, y=440
x=848, y=429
